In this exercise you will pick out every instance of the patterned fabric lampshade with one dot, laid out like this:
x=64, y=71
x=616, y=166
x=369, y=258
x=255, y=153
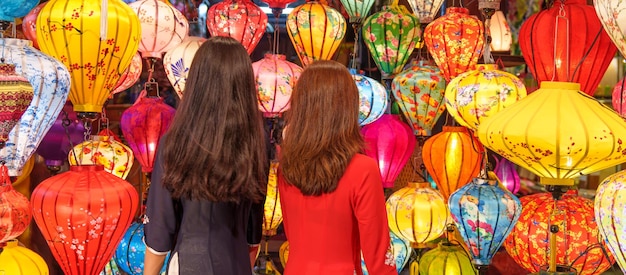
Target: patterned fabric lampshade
x=240, y=19
x=29, y=24
x=373, y=98
x=131, y=251
x=612, y=16
x=130, y=75
x=16, y=93
x=275, y=77
x=163, y=27
x=425, y=10
x=401, y=253
x=177, y=61
x=114, y=156
x=609, y=205
x=15, y=215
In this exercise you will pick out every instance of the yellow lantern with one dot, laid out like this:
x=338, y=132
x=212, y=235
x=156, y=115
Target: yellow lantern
x=17, y=260
x=446, y=259
x=272, y=213
x=558, y=133
x=95, y=44
x=316, y=31
x=116, y=157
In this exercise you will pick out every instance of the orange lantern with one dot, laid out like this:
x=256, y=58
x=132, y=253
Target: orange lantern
x=452, y=157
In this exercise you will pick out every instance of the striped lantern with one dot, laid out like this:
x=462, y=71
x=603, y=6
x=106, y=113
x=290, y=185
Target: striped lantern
x=240, y=19
x=357, y=9
x=177, y=62
x=425, y=10
x=163, y=27
x=114, y=156
x=16, y=93
x=275, y=78
x=372, y=98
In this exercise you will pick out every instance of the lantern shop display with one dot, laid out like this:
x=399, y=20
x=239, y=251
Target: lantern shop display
x=114, y=156
x=163, y=27
x=15, y=215
x=130, y=253
x=372, y=98
x=177, y=61
x=18, y=260
x=609, y=205
x=240, y=19
x=447, y=258
x=275, y=78
x=16, y=93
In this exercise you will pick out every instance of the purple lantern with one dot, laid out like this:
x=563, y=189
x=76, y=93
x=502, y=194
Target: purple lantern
x=56, y=144
x=507, y=173
x=391, y=142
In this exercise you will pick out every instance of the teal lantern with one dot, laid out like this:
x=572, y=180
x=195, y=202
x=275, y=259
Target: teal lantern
x=357, y=9
x=372, y=98
x=9, y=10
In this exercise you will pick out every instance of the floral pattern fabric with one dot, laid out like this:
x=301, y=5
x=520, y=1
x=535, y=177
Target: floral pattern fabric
x=116, y=157
x=609, y=205
x=372, y=98
x=240, y=19
x=275, y=78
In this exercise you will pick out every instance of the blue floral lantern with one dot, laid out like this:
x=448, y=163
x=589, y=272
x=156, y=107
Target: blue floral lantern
x=111, y=268
x=131, y=251
x=372, y=98
x=485, y=214
x=9, y=10
x=401, y=252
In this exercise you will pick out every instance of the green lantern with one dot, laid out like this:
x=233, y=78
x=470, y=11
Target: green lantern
x=446, y=259
x=357, y=9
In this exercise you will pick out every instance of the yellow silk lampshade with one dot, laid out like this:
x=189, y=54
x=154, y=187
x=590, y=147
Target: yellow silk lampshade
x=272, y=212
x=446, y=259
x=558, y=133
x=17, y=260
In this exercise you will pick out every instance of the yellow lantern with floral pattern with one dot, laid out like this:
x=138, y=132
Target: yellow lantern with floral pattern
x=116, y=157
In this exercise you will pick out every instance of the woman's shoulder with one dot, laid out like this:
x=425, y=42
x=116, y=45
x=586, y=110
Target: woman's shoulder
x=362, y=161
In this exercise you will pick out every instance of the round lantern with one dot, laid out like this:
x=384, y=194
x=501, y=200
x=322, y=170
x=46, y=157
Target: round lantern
x=612, y=16
x=390, y=36
x=16, y=9
x=51, y=85
x=446, y=259
x=83, y=214
x=501, y=37
x=401, y=253
x=95, y=44
x=29, y=24
x=456, y=41
x=240, y=19
x=272, y=212
x=506, y=172
x=177, y=62
x=316, y=31
x=357, y=9
x=15, y=213
x=16, y=93
x=391, y=143
x=573, y=45
x=452, y=157
x=419, y=91
x=529, y=242
x=618, y=97
x=575, y=135
x=478, y=94
x=485, y=214
x=163, y=27
x=143, y=124
x=417, y=213
x=610, y=202
x=130, y=75
x=17, y=260
x=66, y=132
x=275, y=78
x=425, y=10
x=372, y=98
x=131, y=251
x=114, y=156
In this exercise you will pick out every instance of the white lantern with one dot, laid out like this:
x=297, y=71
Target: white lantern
x=177, y=61
x=163, y=27
x=501, y=38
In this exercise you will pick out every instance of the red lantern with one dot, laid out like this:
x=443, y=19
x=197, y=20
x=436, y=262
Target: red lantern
x=143, y=124
x=529, y=243
x=567, y=43
x=278, y=5
x=29, y=24
x=83, y=214
x=239, y=19
x=14, y=210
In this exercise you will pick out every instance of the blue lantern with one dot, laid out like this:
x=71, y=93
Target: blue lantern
x=401, y=252
x=9, y=10
x=485, y=214
x=131, y=251
x=372, y=98
x=111, y=269
x=51, y=83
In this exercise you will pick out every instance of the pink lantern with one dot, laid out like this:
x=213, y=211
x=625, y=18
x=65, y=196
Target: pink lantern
x=391, y=142
x=239, y=19
x=507, y=174
x=143, y=124
x=619, y=98
x=275, y=77
x=14, y=210
x=29, y=24
x=162, y=27
x=130, y=75
x=177, y=61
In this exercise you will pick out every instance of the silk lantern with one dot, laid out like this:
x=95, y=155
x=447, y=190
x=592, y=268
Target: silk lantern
x=506, y=172
x=372, y=98
x=575, y=135
x=16, y=93
x=357, y=9
x=66, y=132
x=391, y=35
x=390, y=142
x=277, y=6
x=446, y=259
x=618, y=97
x=272, y=211
x=275, y=78
x=177, y=62
x=316, y=31
x=478, y=94
x=96, y=43
x=240, y=19
x=609, y=205
x=573, y=45
x=419, y=92
x=611, y=14
x=529, y=245
x=484, y=214
x=455, y=41
x=401, y=253
x=15, y=214
x=83, y=214
x=163, y=27
x=29, y=24
x=425, y=10
x=10, y=10
x=501, y=36
x=130, y=75
x=417, y=213
x=130, y=252
x=17, y=260
x=143, y=124
x=452, y=157
x=114, y=156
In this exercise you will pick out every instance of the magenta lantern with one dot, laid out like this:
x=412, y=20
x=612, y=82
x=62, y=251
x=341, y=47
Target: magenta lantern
x=143, y=124
x=58, y=141
x=618, y=98
x=240, y=19
x=14, y=210
x=275, y=78
x=507, y=174
x=391, y=142
x=162, y=27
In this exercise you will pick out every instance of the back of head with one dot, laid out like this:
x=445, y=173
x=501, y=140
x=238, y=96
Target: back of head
x=215, y=148
x=322, y=131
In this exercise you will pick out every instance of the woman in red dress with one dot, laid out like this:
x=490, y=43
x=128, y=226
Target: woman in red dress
x=332, y=197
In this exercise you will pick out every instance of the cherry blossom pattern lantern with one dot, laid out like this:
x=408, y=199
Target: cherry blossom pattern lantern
x=18, y=260
x=529, y=245
x=612, y=16
x=163, y=27
x=477, y=94
x=391, y=143
x=618, y=97
x=15, y=213
x=143, y=124
x=357, y=9
x=506, y=172
x=240, y=19
x=609, y=205
x=446, y=259
x=500, y=32
x=419, y=92
x=456, y=41
x=29, y=24
x=66, y=132
x=131, y=251
x=130, y=75
x=391, y=35
x=452, y=157
x=485, y=214
x=114, y=156
x=275, y=78
x=16, y=93
x=95, y=42
x=11, y=10
x=567, y=43
x=177, y=62
x=83, y=214
x=51, y=84
x=316, y=31
x=372, y=98
x=425, y=10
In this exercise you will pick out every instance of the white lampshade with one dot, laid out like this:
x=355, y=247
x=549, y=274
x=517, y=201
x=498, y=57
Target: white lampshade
x=501, y=38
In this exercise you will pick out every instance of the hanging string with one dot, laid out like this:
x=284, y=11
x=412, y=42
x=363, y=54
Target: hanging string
x=560, y=17
x=355, y=53
x=276, y=12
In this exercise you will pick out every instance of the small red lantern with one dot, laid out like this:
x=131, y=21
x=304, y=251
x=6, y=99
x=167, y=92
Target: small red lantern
x=29, y=24
x=240, y=19
x=14, y=209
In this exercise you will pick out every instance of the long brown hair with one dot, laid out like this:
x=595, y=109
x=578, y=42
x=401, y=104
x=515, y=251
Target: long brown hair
x=215, y=148
x=322, y=128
